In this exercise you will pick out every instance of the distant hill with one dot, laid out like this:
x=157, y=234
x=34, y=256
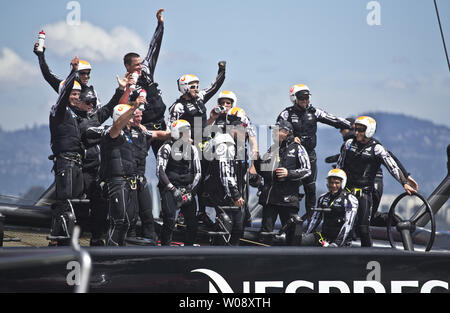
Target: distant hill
x=24, y=160
x=419, y=144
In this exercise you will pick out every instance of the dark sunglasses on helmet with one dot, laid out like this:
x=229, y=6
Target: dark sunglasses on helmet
x=193, y=87
x=83, y=73
x=360, y=129
x=302, y=97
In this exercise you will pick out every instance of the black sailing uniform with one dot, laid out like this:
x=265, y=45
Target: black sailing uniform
x=68, y=152
x=91, y=163
x=280, y=196
x=337, y=223
x=118, y=169
x=221, y=185
x=178, y=166
x=304, y=122
x=141, y=144
x=361, y=162
x=153, y=114
x=378, y=218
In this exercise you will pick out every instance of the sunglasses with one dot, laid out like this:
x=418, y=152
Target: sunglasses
x=303, y=97
x=224, y=102
x=360, y=130
x=193, y=87
x=84, y=73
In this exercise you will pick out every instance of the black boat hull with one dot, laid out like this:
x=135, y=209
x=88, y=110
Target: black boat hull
x=228, y=269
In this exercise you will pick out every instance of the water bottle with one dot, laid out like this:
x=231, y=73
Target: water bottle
x=41, y=41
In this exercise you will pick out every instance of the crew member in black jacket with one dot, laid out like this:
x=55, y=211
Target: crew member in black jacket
x=142, y=138
x=68, y=152
x=283, y=167
x=337, y=208
x=361, y=159
x=304, y=118
x=224, y=180
x=88, y=115
x=154, y=108
x=118, y=170
x=179, y=172
x=378, y=218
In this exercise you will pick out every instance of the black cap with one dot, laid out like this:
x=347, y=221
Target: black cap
x=283, y=124
x=88, y=95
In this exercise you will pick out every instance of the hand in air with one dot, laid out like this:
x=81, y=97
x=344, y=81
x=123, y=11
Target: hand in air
x=159, y=15
x=124, y=81
x=75, y=62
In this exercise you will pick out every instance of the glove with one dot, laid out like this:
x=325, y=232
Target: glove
x=178, y=196
x=187, y=198
x=222, y=64
x=38, y=53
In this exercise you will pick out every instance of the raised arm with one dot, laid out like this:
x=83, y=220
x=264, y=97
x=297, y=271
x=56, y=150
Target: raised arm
x=209, y=92
x=122, y=121
x=63, y=100
x=149, y=62
x=51, y=78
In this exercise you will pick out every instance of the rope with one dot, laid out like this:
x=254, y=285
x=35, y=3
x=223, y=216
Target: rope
x=442, y=34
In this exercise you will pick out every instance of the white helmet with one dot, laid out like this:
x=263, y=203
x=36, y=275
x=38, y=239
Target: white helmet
x=237, y=116
x=371, y=125
x=336, y=172
x=76, y=86
x=228, y=95
x=178, y=127
x=119, y=110
x=297, y=88
x=184, y=81
x=84, y=65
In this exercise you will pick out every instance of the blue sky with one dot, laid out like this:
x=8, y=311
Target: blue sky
x=351, y=67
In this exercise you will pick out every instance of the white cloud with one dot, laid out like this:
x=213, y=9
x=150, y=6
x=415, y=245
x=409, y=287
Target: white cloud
x=14, y=70
x=91, y=42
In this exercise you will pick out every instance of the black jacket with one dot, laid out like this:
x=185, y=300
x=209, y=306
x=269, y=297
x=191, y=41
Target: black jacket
x=294, y=158
x=117, y=155
x=338, y=222
x=65, y=134
x=155, y=107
